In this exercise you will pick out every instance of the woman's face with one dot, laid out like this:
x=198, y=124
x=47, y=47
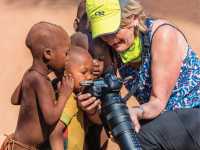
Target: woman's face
x=121, y=40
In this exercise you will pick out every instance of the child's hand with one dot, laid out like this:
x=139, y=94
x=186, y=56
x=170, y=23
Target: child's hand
x=98, y=67
x=65, y=87
x=88, y=103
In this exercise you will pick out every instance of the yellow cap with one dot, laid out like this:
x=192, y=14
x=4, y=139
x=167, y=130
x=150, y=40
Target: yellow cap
x=104, y=16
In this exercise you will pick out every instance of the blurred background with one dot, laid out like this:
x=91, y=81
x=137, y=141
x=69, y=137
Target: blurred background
x=17, y=16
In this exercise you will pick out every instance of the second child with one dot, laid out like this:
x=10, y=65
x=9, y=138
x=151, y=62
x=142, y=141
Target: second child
x=80, y=66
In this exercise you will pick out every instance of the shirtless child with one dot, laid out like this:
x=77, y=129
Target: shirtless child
x=80, y=66
x=39, y=110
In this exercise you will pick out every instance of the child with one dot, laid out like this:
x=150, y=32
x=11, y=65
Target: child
x=103, y=58
x=102, y=54
x=39, y=112
x=80, y=40
x=80, y=66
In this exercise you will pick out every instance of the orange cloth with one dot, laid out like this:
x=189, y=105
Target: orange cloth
x=10, y=144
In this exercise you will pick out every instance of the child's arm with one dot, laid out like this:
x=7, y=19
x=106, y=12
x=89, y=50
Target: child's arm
x=56, y=138
x=15, y=98
x=44, y=93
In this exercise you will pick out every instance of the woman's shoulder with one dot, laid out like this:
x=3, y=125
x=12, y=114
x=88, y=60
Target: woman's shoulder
x=160, y=27
x=165, y=30
x=159, y=22
x=166, y=34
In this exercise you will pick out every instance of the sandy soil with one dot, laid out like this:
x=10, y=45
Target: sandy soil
x=17, y=16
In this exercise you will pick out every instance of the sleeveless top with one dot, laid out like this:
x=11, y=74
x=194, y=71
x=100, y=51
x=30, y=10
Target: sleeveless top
x=186, y=92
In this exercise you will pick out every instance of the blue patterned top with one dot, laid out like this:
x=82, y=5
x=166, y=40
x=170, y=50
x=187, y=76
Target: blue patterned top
x=186, y=93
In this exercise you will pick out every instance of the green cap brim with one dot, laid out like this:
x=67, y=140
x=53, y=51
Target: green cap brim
x=108, y=24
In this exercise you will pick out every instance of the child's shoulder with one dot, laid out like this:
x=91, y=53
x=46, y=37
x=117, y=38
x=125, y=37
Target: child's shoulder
x=32, y=77
x=27, y=83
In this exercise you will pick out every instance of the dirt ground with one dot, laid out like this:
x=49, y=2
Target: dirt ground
x=17, y=16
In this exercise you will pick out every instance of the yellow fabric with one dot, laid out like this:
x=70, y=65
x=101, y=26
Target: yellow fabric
x=133, y=53
x=104, y=16
x=72, y=117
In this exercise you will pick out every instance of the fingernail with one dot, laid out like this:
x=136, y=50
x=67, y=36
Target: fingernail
x=137, y=130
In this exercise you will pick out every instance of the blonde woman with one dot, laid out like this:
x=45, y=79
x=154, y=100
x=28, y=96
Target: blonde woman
x=165, y=71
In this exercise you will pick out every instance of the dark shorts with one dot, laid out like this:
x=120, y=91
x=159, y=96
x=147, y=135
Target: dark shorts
x=178, y=130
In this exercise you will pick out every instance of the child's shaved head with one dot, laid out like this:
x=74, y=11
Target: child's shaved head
x=44, y=35
x=78, y=55
x=79, y=39
x=80, y=66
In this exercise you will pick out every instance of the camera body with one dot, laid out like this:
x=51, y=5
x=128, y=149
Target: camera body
x=114, y=112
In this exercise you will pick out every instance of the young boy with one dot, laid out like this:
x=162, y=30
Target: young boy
x=39, y=110
x=80, y=66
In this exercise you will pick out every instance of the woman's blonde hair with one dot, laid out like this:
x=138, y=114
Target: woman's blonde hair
x=133, y=7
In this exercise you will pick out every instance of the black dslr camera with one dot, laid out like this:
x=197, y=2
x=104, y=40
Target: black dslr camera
x=114, y=112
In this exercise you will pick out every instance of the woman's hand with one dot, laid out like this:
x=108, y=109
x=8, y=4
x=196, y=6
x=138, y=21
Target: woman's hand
x=136, y=114
x=88, y=103
x=98, y=67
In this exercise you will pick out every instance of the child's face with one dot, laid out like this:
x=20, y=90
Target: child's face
x=82, y=72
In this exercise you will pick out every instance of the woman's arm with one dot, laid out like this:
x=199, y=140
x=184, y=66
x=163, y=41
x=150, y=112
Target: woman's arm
x=168, y=51
x=168, y=47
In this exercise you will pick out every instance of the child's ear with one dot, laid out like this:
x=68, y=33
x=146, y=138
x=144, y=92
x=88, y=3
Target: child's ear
x=48, y=53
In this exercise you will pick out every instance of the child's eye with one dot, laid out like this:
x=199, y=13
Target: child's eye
x=84, y=72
